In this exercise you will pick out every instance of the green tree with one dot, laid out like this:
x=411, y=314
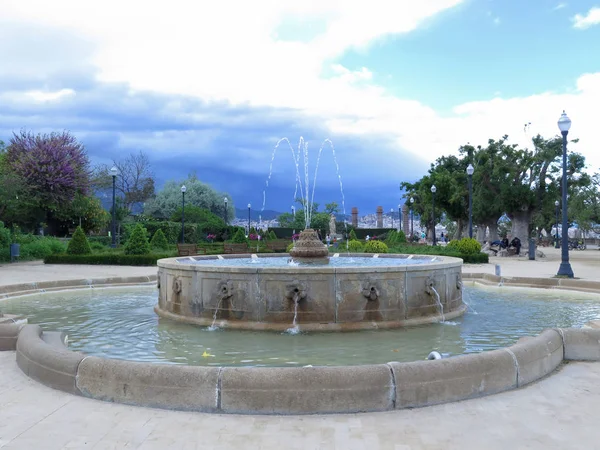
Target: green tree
x=137, y=244
x=79, y=245
x=197, y=194
x=159, y=240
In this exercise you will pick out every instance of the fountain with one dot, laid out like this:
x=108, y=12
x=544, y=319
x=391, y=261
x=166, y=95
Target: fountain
x=310, y=291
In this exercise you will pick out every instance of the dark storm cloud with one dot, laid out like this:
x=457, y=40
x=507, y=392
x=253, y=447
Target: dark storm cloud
x=228, y=147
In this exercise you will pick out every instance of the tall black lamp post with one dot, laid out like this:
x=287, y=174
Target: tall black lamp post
x=433, y=189
x=470, y=170
x=225, y=213
x=412, y=231
x=249, y=206
x=565, y=270
x=183, y=189
x=114, y=172
x=392, y=216
x=556, y=245
x=400, y=218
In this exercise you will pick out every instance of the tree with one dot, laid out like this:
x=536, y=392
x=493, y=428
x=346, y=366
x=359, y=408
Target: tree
x=13, y=192
x=135, y=180
x=197, y=194
x=137, y=244
x=87, y=211
x=79, y=245
x=55, y=166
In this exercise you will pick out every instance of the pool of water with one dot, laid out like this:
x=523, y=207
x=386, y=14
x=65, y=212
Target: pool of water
x=286, y=261
x=121, y=323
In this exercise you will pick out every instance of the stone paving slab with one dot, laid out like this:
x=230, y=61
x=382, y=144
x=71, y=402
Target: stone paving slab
x=559, y=412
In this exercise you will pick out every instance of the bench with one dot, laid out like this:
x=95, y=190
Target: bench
x=189, y=250
x=279, y=245
x=235, y=248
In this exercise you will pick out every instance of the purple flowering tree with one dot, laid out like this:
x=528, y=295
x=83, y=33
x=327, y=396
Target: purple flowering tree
x=55, y=167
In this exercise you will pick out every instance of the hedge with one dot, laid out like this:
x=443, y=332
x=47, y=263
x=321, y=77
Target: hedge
x=113, y=259
x=194, y=233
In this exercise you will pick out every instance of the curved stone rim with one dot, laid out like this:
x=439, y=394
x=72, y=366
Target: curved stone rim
x=300, y=390
x=437, y=262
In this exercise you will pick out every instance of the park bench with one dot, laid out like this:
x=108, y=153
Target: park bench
x=189, y=250
x=279, y=245
x=235, y=248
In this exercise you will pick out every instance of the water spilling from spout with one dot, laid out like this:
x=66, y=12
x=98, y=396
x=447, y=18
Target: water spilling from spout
x=294, y=328
x=213, y=327
x=438, y=303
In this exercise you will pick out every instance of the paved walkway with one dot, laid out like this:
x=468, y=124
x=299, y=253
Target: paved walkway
x=560, y=412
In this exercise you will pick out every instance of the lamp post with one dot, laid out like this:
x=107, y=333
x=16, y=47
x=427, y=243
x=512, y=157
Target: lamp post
x=470, y=170
x=183, y=189
x=225, y=213
x=400, y=218
x=392, y=216
x=565, y=270
x=556, y=203
x=249, y=206
x=412, y=231
x=433, y=189
x=114, y=172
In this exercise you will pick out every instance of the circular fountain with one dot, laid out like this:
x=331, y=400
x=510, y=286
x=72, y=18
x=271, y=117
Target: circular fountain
x=274, y=292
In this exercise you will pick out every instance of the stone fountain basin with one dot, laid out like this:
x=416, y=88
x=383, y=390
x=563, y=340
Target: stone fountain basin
x=331, y=298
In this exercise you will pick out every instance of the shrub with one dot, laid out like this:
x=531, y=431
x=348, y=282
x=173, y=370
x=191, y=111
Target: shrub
x=239, y=237
x=352, y=235
x=113, y=259
x=137, y=244
x=376, y=247
x=5, y=237
x=79, y=245
x=355, y=246
x=159, y=240
x=97, y=246
x=466, y=246
x=395, y=237
x=272, y=235
x=289, y=247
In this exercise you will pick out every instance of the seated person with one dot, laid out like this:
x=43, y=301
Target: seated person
x=516, y=243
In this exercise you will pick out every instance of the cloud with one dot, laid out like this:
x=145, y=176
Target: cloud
x=559, y=6
x=583, y=22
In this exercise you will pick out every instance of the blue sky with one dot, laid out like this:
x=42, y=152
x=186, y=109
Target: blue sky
x=210, y=87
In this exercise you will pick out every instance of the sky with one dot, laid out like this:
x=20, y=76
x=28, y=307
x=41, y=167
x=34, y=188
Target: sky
x=212, y=87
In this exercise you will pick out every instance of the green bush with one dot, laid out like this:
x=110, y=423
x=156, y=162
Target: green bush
x=352, y=235
x=79, y=245
x=272, y=235
x=103, y=240
x=355, y=246
x=289, y=247
x=376, y=247
x=395, y=237
x=5, y=237
x=239, y=237
x=113, y=259
x=137, y=244
x=159, y=240
x=97, y=247
x=466, y=246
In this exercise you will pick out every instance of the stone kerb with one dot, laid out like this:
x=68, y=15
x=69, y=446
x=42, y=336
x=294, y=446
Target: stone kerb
x=188, y=388
x=307, y=390
x=581, y=345
x=424, y=383
x=538, y=356
x=54, y=366
x=302, y=390
x=9, y=333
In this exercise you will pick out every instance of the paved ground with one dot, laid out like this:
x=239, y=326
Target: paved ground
x=560, y=412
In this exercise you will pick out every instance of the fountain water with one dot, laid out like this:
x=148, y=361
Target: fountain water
x=439, y=305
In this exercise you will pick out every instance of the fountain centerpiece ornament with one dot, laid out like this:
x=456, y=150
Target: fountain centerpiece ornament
x=309, y=247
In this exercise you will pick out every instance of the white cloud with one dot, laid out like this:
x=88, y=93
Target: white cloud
x=228, y=51
x=592, y=18
x=559, y=6
x=46, y=96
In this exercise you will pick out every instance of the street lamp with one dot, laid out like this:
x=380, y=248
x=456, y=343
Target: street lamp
x=433, y=189
x=392, y=216
x=556, y=203
x=412, y=231
x=399, y=218
x=565, y=270
x=183, y=189
x=249, y=206
x=114, y=172
x=225, y=214
x=470, y=170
